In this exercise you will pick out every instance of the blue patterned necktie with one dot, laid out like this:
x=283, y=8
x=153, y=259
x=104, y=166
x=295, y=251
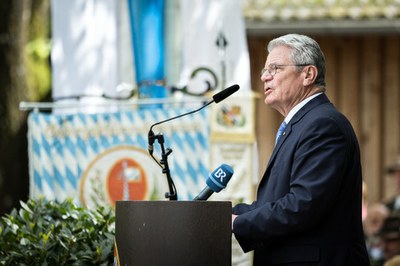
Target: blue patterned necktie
x=280, y=131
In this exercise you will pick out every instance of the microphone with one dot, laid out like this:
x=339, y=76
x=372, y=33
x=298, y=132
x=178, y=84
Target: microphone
x=220, y=96
x=216, y=181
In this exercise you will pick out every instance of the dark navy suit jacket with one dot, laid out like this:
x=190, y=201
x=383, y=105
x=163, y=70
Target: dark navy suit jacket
x=308, y=205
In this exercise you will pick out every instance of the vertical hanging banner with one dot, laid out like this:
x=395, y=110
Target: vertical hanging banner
x=91, y=54
x=233, y=142
x=214, y=38
x=84, y=48
x=97, y=159
x=147, y=25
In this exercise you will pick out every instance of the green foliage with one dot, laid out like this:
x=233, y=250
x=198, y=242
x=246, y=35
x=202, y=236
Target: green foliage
x=38, y=67
x=49, y=233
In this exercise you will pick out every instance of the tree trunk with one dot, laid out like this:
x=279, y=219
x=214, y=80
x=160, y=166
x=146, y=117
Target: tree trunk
x=15, y=31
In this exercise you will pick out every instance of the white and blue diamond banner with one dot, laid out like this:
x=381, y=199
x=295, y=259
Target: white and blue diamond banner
x=97, y=159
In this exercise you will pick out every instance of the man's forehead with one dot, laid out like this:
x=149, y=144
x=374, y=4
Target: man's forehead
x=279, y=55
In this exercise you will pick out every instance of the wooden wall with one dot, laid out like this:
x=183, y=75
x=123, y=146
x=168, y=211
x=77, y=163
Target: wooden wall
x=363, y=77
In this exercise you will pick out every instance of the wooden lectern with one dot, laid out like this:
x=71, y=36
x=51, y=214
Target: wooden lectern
x=173, y=232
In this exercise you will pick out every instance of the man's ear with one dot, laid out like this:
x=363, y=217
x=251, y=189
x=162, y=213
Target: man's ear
x=310, y=75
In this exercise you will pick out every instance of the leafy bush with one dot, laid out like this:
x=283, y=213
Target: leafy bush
x=49, y=233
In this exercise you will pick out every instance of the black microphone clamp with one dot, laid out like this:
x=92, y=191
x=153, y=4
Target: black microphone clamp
x=151, y=141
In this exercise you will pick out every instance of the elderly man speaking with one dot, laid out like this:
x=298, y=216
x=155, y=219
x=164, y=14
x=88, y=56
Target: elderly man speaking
x=308, y=205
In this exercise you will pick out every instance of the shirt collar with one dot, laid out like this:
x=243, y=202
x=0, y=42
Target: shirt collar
x=299, y=106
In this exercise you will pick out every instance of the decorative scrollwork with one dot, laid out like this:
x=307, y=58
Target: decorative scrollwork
x=210, y=85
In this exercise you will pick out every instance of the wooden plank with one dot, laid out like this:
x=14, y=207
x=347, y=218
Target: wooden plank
x=349, y=82
x=391, y=110
x=371, y=117
x=329, y=49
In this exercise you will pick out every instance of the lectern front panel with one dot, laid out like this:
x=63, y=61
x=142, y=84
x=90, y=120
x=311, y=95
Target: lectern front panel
x=173, y=232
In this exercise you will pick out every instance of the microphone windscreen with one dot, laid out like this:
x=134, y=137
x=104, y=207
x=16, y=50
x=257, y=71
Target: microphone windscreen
x=222, y=95
x=218, y=179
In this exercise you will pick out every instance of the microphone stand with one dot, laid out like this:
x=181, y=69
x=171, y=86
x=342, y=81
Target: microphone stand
x=171, y=195
x=163, y=163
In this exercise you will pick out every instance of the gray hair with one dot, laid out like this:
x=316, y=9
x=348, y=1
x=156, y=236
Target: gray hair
x=305, y=50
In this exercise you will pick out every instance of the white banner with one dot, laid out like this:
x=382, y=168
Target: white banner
x=92, y=48
x=214, y=37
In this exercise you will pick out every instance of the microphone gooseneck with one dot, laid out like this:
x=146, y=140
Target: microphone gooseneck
x=220, y=96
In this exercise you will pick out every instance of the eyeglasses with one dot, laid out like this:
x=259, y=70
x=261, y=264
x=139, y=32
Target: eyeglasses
x=273, y=68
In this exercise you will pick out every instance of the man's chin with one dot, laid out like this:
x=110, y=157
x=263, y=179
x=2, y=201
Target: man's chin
x=269, y=101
